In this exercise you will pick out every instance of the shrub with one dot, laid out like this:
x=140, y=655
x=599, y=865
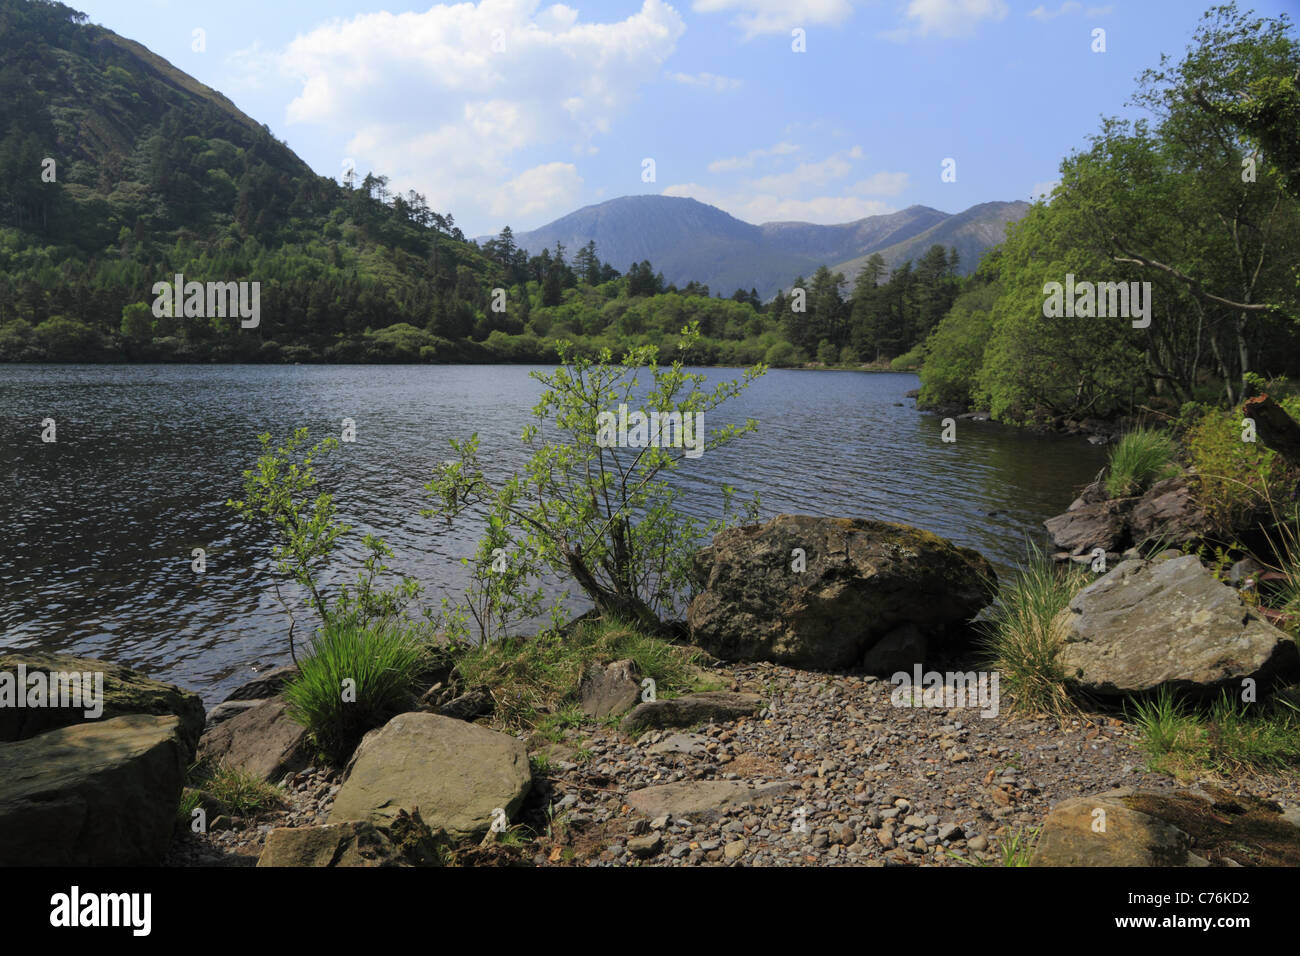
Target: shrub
x=1234, y=478
x=1141, y=458
x=908, y=361
x=783, y=355
x=354, y=680
x=1020, y=638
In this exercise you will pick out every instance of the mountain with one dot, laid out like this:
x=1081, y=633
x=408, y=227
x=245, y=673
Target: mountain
x=689, y=240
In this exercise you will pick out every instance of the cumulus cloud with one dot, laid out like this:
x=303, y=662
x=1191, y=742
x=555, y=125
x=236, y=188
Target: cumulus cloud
x=706, y=81
x=755, y=17
x=811, y=191
x=953, y=17
x=441, y=100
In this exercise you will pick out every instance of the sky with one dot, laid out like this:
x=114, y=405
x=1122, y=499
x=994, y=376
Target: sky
x=515, y=112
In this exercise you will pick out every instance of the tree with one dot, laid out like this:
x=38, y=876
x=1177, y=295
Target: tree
x=585, y=507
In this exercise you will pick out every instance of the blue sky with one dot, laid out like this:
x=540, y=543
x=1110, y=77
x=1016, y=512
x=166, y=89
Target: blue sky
x=517, y=111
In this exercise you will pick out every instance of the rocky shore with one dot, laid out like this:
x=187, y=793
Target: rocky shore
x=812, y=739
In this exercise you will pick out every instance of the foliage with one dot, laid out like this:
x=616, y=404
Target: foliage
x=1021, y=639
x=353, y=680
x=1233, y=477
x=584, y=508
x=1139, y=459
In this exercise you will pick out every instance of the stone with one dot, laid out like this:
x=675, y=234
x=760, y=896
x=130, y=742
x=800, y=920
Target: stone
x=1160, y=828
x=708, y=706
x=453, y=772
x=978, y=843
x=227, y=709
x=702, y=800
x=406, y=841
x=474, y=703
x=1147, y=624
x=897, y=651
x=609, y=690
x=1100, y=524
x=645, y=846
x=1168, y=515
x=98, y=793
x=126, y=691
x=862, y=579
x=264, y=685
x=690, y=744
x=263, y=741
x=735, y=849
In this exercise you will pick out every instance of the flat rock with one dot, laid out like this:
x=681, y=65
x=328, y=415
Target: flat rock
x=708, y=706
x=700, y=799
x=612, y=689
x=99, y=793
x=264, y=685
x=1144, y=624
x=690, y=744
x=406, y=841
x=262, y=741
x=1129, y=827
x=1099, y=524
x=454, y=773
x=126, y=691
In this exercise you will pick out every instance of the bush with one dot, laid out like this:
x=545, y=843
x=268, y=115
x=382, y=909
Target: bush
x=908, y=361
x=67, y=340
x=381, y=663
x=1020, y=638
x=783, y=355
x=1142, y=457
x=954, y=351
x=827, y=353
x=1235, y=478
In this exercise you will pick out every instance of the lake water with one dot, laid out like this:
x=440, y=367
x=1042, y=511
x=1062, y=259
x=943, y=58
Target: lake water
x=98, y=526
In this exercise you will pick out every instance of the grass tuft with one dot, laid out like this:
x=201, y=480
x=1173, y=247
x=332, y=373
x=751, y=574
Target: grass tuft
x=1140, y=459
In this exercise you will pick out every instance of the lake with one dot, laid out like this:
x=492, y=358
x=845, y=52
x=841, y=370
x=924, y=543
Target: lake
x=98, y=526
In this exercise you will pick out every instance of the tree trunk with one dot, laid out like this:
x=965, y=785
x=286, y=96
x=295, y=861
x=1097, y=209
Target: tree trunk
x=1275, y=428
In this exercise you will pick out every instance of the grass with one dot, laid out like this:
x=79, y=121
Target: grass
x=243, y=793
x=1140, y=458
x=1020, y=639
x=353, y=680
x=1018, y=846
x=1226, y=738
x=536, y=680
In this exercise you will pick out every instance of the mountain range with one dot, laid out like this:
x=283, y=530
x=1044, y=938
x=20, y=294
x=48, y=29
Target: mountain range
x=689, y=240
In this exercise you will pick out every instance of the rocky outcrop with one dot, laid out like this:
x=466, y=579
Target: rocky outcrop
x=714, y=706
x=125, y=691
x=263, y=741
x=405, y=841
x=1166, y=622
x=821, y=592
x=612, y=689
x=1167, y=515
x=456, y=774
x=98, y=793
x=1129, y=827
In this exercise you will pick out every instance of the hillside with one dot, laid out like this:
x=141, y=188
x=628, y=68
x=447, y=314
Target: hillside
x=690, y=240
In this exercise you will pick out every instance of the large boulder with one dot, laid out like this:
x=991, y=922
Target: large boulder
x=711, y=706
x=262, y=741
x=1168, y=515
x=454, y=773
x=1129, y=827
x=125, y=691
x=98, y=793
x=405, y=841
x=1148, y=623
x=860, y=579
x=1092, y=525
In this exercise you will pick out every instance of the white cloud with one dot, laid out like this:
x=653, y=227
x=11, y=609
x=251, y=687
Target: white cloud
x=953, y=17
x=547, y=187
x=733, y=163
x=441, y=100
x=825, y=210
x=1042, y=14
x=1043, y=189
x=882, y=184
x=777, y=16
x=708, y=81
